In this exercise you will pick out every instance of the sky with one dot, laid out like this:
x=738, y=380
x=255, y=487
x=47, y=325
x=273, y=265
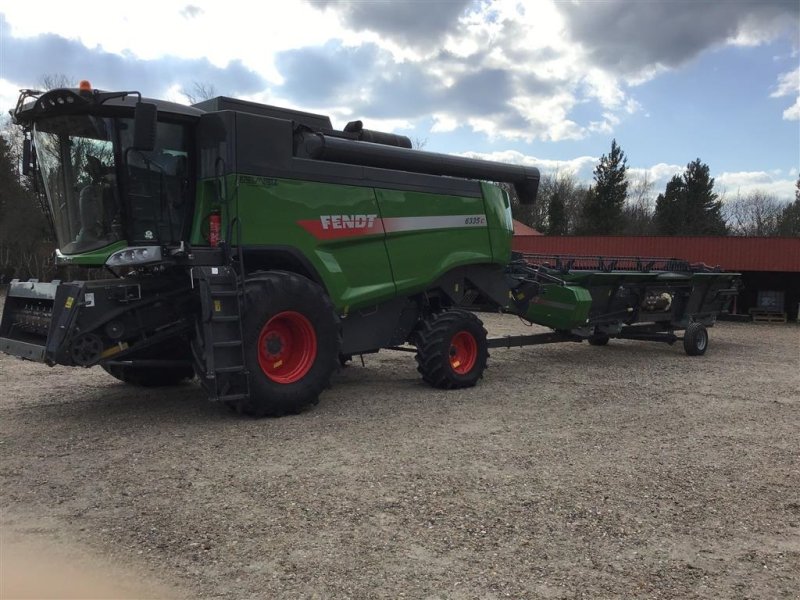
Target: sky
x=547, y=83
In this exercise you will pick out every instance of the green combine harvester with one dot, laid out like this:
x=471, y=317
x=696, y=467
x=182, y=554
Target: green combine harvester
x=257, y=248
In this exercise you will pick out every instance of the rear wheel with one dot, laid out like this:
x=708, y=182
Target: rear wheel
x=695, y=339
x=291, y=343
x=598, y=339
x=452, y=349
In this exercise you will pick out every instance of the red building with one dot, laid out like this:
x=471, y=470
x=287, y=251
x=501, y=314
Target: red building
x=770, y=267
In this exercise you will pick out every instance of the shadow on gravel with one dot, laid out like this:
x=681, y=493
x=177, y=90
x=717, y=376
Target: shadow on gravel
x=125, y=404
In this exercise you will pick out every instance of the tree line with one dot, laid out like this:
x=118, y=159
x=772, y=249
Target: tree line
x=616, y=203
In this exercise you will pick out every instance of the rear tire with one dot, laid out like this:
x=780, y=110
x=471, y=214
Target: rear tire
x=695, y=339
x=598, y=339
x=291, y=343
x=452, y=349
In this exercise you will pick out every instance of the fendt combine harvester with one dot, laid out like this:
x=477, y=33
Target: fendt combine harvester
x=257, y=248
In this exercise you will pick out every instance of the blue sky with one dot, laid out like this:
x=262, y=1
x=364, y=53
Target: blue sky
x=546, y=82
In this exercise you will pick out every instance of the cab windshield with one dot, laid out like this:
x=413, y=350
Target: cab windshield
x=95, y=203
x=77, y=162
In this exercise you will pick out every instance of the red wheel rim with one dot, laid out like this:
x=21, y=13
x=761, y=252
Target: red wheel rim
x=287, y=347
x=463, y=352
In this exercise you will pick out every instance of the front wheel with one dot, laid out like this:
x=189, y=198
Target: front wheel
x=452, y=349
x=291, y=343
x=695, y=339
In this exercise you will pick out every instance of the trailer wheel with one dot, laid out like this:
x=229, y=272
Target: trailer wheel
x=598, y=339
x=291, y=343
x=452, y=349
x=695, y=339
x=155, y=376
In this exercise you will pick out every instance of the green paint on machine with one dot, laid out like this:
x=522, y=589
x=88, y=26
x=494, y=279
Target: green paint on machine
x=560, y=307
x=383, y=244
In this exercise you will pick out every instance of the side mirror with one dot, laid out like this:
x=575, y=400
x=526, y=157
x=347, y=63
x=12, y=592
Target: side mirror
x=27, y=157
x=145, y=117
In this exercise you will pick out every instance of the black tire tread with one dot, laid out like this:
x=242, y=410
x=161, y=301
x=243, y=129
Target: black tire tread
x=691, y=336
x=290, y=398
x=432, y=341
x=599, y=339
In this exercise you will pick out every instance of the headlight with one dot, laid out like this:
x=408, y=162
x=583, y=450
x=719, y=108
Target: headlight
x=137, y=255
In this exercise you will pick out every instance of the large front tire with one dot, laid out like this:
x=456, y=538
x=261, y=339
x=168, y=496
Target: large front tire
x=291, y=343
x=452, y=350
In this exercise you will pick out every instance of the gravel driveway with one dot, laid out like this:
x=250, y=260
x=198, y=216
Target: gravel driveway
x=571, y=471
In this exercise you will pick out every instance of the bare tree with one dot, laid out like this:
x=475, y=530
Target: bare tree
x=419, y=143
x=13, y=136
x=559, y=204
x=640, y=206
x=756, y=214
x=199, y=92
x=50, y=81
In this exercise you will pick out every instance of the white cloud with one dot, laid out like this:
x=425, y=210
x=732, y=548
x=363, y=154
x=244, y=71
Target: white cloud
x=578, y=166
x=746, y=182
x=219, y=31
x=793, y=112
x=547, y=74
x=443, y=123
x=789, y=85
x=659, y=173
x=606, y=88
x=9, y=92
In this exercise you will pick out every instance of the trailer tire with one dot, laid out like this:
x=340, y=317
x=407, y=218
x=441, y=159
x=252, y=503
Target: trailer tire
x=292, y=337
x=155, y=376
x=695, y=339
x=452, y=350
x=599, y=339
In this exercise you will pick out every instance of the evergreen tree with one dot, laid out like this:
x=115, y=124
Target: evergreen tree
x=670, y=208
x=689, y=205
x=602, y=213
x=24, y=248
x=789, y=221
x=556, y=216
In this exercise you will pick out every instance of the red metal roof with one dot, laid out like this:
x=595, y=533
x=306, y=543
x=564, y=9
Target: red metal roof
x=521, y=229
x=730, y=253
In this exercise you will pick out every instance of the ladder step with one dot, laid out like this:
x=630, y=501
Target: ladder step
x=236, y=369
x=225, y=319
x=227, y=344
x=222, y=331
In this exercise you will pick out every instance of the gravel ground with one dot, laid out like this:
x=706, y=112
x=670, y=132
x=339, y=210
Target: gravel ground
x=571, y=471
